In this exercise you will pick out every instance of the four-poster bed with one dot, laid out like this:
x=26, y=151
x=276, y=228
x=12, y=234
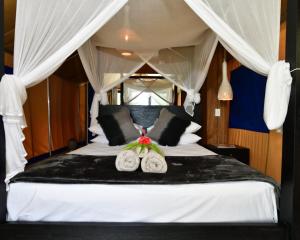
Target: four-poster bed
x=197, y=231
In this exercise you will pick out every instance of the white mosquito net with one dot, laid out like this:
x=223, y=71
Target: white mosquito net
x=175, y=37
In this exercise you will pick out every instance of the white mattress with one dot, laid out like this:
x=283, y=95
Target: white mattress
x=245, y=201
x=213, y=202
x=180, y=150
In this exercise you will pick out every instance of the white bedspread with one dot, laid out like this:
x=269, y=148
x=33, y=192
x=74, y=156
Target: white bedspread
x=213, y=202
x=180, y=150
x=246, y=201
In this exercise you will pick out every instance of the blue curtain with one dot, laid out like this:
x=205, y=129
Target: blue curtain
x=246, y=109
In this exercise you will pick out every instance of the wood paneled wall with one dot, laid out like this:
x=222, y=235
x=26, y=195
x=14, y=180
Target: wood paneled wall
x=257, y=143
x=67, y=107
x=215, y=129
x=8, y=60
x=265, y=149
x=65, y=112
x=68, y=114
x=37, y=119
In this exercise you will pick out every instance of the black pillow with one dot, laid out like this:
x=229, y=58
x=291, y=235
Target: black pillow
x=168, y=128
x=118, y=127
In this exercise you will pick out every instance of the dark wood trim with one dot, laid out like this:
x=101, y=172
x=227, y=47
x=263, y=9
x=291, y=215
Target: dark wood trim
x=290, y=193
x=2, y=135
x=290, y=200
x=122, y=93
x=142, y=231
x=175, y=91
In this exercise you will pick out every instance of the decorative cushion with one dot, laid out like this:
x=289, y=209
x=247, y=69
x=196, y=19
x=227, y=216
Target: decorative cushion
x=118, y=127
x=168, y=128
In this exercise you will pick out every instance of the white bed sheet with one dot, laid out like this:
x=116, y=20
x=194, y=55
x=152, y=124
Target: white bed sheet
x=206, y=203
x=100, y=149
x=245, y=201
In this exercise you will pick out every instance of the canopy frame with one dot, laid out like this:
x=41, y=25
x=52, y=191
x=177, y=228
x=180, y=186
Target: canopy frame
x=288, y=227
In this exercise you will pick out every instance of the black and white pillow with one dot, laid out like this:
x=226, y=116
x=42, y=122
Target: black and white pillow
x=118, y=127
x=168, y=128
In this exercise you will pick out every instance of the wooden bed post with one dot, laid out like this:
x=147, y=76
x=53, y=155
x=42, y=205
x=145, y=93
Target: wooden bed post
x=290, y=193
x=2, y=136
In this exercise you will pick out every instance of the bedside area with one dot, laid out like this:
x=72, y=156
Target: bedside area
x=240, y=153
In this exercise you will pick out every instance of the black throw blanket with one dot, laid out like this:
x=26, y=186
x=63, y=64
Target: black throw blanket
x=181, y=170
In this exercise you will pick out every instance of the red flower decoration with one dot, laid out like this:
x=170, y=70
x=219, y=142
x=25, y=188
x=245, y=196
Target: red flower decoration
x=144, y=140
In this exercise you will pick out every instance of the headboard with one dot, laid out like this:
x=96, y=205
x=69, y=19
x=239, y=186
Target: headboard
x=146, y=115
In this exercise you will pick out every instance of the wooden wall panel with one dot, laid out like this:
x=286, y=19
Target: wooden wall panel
x=83, y=112
x=282, y=41
x=66, y=119
x=256, y=142
x=8, y=60
x=215, y=129
x=274, y=159
x=70, y=111
x=56, y=112
x=39, y=118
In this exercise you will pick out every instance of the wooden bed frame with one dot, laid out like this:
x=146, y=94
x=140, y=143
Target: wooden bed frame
x=289, y=221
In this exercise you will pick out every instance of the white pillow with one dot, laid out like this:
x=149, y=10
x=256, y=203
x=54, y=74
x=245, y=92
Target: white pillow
x=188, y=138
x=100, y=139
x=192, y=128
x=96, y=129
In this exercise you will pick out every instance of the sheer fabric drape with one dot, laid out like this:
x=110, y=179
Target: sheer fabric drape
x=160, y=89
x=105, y=69
x=249, y=30
x=46, y=33
x=187, y=67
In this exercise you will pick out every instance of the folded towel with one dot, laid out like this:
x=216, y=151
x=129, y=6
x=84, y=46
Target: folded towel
x=127, y=161
x=154, y=163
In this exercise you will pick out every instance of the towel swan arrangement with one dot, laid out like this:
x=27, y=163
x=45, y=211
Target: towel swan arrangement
x=152, y=161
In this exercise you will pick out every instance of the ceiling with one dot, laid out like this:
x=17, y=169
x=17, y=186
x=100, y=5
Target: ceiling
x=151, y=25
x=72, y=68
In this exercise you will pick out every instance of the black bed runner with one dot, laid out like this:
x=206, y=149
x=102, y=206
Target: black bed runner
x=181, y=170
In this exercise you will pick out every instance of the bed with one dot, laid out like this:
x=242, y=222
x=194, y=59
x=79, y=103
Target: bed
x=175, y=200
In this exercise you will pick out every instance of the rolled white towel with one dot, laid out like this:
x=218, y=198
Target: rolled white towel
x=154, y=163
x=127, y=161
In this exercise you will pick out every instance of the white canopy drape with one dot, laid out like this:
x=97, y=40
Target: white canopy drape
x=180, y=48
x=105, y=69
x=46, y=33
x=187, y=67
x=250, y=31
x=160, y=89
